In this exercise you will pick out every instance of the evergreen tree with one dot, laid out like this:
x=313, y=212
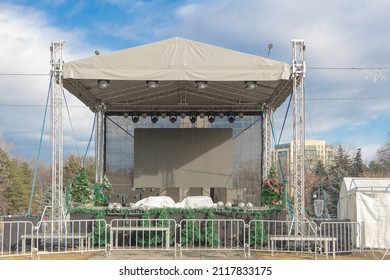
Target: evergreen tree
x=72, y=166
x=45, y=199
x=4, y=177
x=17, y=191
x=358, y=167
x=320, y=170
x=340, y=169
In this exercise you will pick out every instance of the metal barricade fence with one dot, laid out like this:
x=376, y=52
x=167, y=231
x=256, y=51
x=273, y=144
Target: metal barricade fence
x=11, y=238
x=282, y=236
x=142, y=234
x=212, y=234
x=347, y=235
x=69, y=236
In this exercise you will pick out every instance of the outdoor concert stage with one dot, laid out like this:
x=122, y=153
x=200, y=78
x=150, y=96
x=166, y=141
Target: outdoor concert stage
x=181, y=118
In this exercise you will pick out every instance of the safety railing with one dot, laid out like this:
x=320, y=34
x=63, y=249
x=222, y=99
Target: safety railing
x=282, y=236
x=11, y=242
x=347, y=234
x=212, y=234
x=22, y=238
x=142, y=234
x=68, y=236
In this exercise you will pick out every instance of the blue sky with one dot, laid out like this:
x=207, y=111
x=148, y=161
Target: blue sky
x=343, y=106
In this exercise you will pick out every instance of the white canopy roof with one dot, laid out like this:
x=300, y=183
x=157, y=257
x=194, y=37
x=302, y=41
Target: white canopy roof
x=177, y=64
x=369, y=185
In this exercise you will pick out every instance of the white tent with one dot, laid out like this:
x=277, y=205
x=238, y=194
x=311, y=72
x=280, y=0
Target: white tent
x=367, y=201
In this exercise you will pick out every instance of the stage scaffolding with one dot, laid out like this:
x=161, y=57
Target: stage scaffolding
x=58, y=202
x=298, y=76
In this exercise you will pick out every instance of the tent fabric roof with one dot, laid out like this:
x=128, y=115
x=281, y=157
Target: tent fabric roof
x=177, y=63
x=360, y=184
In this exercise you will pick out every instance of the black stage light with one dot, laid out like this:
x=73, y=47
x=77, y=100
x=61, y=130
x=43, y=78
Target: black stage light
x=231, y=118
x=172, y=118
x=154, y=118
x=211, y=118
x=135, y=118
x=193, y=119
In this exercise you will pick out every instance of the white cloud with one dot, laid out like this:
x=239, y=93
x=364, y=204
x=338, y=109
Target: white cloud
x=337, y=33
x=26, y=36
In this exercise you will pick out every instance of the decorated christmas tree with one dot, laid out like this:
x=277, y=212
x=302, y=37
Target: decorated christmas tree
x=272, y=190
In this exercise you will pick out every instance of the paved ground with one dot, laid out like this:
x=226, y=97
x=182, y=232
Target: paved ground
x=200, y=255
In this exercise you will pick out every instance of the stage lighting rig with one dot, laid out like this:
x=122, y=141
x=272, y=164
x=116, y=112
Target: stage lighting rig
x=250, y=85
x=192, y=118
x=154, y=118
x=231, y=118
x=211, y=118
x=172, y=118
x=135, y=118
x=103, y=84
x=152, y=84
x=201, y=84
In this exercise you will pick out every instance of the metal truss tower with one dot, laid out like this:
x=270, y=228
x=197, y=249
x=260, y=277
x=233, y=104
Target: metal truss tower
x=99, y=143
x=267, y=142
x=298, y=157
x=57, y=209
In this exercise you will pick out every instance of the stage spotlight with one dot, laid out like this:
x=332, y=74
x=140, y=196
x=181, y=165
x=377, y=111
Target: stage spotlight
x=201, y=115
x=103, y=84
x=182, y=115
x=211, y=118
x=152, y=84
x=154, y=118
x=144, y=115
x=135, y=118
x=201, y=84
x=163, y=115
x=250, y=85
x=193, y=118
x=172, y=118
x=241, y=115
x=125, y=115
x=221, y=115
x=231, y=118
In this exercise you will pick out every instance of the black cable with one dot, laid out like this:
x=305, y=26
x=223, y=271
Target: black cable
x=120, y=127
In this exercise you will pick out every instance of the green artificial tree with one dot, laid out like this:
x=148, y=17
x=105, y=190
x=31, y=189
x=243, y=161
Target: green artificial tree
x=272, y=190
x=81, y=190
x=102, y=192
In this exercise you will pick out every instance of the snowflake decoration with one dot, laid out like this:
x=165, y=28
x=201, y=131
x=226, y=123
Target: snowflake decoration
x=376, y=74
